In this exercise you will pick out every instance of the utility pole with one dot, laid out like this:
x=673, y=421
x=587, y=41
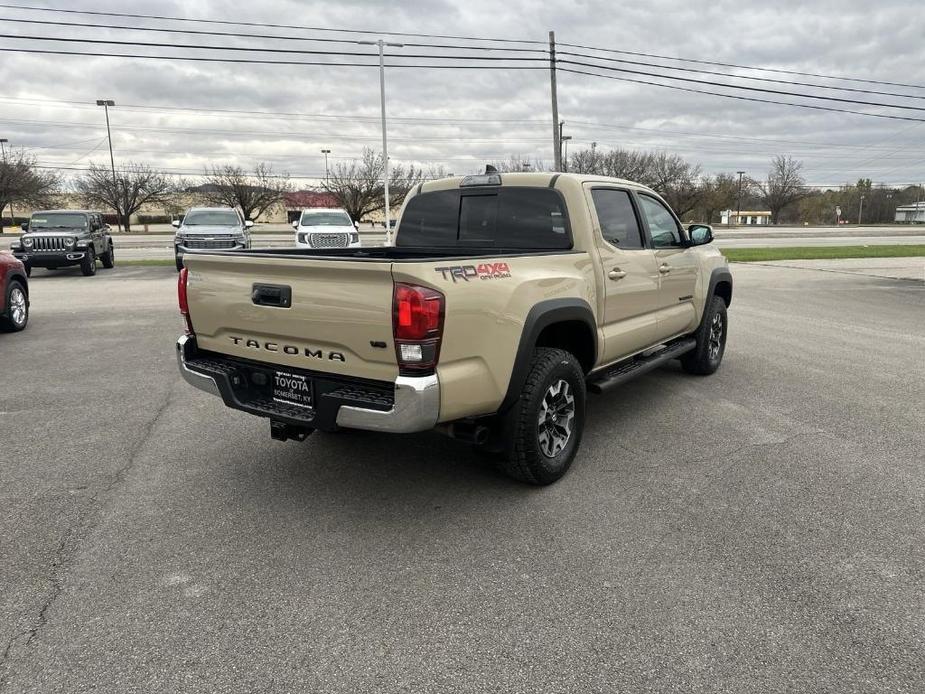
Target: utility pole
x=860, y=210
x=556, y=144
x=106, y=103
x=564, y=140
x=739, y=199
x=385, y=143
x=325, y=152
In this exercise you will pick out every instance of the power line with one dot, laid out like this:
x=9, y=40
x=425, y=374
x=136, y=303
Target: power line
x=743, y=67
x=287, y=51
x=275, y=37
x=266, y=24
x=743, y=98
x=268, y=62
x=235, y=132
x=763, y=90
x=741, y=77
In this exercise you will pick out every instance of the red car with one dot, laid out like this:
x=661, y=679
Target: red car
x=14, y=294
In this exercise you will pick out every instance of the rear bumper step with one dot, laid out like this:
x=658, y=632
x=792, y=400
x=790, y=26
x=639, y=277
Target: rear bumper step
x=410, y=404
x=624, y=371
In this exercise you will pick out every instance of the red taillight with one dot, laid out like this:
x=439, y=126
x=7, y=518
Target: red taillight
x=183, y=300
x=417, y=326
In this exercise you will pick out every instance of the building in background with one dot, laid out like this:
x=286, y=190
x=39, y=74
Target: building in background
x=911, y=214
x=746, y=217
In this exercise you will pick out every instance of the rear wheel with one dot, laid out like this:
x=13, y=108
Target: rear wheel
x=544, y=427
x=109, y=258
x=706, y=357
x=88, y=264
x=17, y=308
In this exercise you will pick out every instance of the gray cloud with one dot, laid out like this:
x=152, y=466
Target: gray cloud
x=508, y=111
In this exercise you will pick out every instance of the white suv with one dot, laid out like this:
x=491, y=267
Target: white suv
x=326, y=227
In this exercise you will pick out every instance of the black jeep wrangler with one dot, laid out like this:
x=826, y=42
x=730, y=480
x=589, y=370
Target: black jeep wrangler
x=57, y=238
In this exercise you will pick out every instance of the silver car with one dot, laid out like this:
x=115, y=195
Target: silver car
x=210, y=228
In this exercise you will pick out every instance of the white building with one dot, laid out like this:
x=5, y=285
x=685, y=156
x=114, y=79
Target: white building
x=911, y=214
x=746, y=217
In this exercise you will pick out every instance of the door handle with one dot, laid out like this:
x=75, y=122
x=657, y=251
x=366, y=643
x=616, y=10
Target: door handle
x=616, y=274
x=664, y=268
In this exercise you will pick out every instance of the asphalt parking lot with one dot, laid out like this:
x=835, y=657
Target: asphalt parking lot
x=760, y=530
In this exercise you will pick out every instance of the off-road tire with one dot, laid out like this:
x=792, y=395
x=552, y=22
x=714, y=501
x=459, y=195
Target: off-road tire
x=109, y=258
x=705, y=358
x=7, y=323
x=524, y=457
x=88, y=264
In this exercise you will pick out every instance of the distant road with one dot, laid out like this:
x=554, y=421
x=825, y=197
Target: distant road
x=138, y=246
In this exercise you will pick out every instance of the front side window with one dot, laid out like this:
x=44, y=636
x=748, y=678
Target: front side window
x=617, y=218
x=662, y=225
x=325, y=219
x=58, y=220
x=213, y=218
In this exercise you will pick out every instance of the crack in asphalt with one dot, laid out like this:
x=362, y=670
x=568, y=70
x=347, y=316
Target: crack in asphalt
x=63, y=554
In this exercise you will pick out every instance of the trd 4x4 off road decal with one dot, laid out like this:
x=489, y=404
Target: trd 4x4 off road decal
x=482, y=271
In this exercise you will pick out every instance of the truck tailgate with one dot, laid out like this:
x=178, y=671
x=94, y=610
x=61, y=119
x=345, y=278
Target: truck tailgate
x=339, y=319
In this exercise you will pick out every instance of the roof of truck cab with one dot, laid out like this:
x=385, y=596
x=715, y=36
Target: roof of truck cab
x=537, y=179
x=63, y=212
x=212, y=209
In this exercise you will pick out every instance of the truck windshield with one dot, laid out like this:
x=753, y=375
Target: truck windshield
x=58, y=220
x=533, y=218
x=325, y=219
x=216, y=218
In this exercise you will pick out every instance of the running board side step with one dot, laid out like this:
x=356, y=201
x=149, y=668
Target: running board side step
x=639, y=365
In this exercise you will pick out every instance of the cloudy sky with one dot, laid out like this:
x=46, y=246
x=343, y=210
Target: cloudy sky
x=181, y=116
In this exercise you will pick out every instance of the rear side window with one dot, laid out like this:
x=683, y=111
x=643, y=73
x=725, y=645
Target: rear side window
x=530, y=218
x=617, y=218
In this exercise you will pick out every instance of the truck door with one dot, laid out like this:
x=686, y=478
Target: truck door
x=677, y=268
x=629, y=276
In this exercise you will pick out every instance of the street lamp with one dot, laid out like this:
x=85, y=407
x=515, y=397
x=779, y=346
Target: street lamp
x=106, y=103
x=385, y=143
x=325, y=152
x=860, y=210
x=739, y=199
x=3, y=154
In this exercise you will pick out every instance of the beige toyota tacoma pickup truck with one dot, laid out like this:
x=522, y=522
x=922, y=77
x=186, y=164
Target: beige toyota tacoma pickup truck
x=505, y=299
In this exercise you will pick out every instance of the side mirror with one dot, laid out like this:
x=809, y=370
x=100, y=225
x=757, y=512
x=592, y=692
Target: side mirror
x=248, y=224
x=24, y=226
x=700, y=234
x=176, y=223
x=295, y=223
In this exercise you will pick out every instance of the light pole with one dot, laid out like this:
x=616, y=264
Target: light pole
x=385, y=142
x=106, y=103
x=739, y=199
x=3, y=153
x=860, y=210
x=325, y=152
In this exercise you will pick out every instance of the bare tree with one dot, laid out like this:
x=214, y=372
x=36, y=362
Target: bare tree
x=519, y=163
x=253, y=194
x=358, y=188
x=134, y=186
x=785, y=185
x=719, y=193
x=21, y=181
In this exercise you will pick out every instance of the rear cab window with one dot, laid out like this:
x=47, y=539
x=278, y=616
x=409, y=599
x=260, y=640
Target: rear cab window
x=511, y=217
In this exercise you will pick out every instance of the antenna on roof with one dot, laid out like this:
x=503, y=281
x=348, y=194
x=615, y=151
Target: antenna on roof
x=489, y=169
